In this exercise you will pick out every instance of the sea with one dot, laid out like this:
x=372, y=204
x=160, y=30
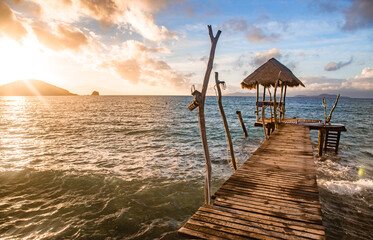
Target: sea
x=132, y=167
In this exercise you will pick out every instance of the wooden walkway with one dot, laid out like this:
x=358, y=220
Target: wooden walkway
x=273, y=195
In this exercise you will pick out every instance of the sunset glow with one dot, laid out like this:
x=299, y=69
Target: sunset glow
x=152, y=47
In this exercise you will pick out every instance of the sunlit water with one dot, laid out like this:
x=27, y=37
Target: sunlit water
x=132, y=167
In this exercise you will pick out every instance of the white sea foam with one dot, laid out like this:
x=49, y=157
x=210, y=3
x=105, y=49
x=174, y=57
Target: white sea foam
x=335, y=169
x=345, y=187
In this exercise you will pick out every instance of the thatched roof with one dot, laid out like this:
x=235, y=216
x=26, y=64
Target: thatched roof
x=267, y=74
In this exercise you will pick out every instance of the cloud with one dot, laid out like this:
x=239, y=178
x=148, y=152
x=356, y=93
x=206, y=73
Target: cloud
x=262, y=57
x=257, y=35
x=292, y=65
x=326, y=5
x=130, y=15
x=139, y=14
x=253, y=33
x=104, y=10
x=363, y=81
x=29, y=7
x=360, y=84
x=62, y=38
x=139, y=67
x=9, y=24
x=333, y=66
x=128, y=69
x=359, y=15
x=233, y=26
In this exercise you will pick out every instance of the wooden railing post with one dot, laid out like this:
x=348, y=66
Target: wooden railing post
x=199, y=101
x=239, y=115
x=233, y=159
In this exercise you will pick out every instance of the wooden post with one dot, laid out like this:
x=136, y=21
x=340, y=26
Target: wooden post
x=264, y=94
x=257, y=99
x=281, y=108
x=263, y=122
x=324, y=103
x=320, y=145
x=217, y=82
x=284, y=109
x=199, y=102
x=330, y=114
x=270, y=99
x=242, y=123
x=274, y=102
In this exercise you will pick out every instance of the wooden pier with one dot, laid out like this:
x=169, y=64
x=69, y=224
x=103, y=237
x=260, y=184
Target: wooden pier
x=273, y=195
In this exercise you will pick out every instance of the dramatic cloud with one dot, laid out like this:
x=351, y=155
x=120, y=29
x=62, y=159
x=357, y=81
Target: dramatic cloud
x=132, y=15
x=359, y=15
x=64, y=37
x=139, y=14
x=9, y=24
x=105, y=10
x=252, y=33
x=139, y=67
x=363, y=81
x=262, y=57
x=333, y=66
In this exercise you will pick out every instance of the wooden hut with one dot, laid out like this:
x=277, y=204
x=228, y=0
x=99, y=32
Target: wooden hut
x=276, y=75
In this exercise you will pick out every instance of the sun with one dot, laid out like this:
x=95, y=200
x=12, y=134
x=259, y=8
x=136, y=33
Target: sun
x=23, y=60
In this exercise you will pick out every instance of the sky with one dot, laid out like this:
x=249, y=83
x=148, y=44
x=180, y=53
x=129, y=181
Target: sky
x=149, y=47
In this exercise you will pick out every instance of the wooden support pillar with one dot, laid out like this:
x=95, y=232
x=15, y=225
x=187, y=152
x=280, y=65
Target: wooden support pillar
x=217, y=82
x=284, y=109
x=280, y=105
x=264, y=94
x=257, y=99
x=321, y=139
x=274, y=101
x=263, y=122
x=239, y=115
x=270, y=106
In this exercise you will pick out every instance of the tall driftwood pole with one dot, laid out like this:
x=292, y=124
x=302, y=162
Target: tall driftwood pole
x=199, y=101
x=217, y=82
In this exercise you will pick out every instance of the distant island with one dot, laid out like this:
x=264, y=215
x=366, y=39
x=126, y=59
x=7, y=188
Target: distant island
x=32, y=88
x=95, y=93
x=320, y=96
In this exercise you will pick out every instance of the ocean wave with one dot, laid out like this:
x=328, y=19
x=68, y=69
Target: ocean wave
x=344, y=187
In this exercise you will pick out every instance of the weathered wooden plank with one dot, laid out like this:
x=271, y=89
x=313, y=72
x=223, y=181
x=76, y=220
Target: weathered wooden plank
x=272, y=184
x=184, y=231
x=271, y=205
x=267, y=221
x=302, y=226
x=265, y=198
x=267, y=211
x=275, y=190
x=256, y=199
x=278, y=231
x=274, y=210
x=209, y=230
x=229, y=230
x=272, y=195
x=245, y=229
x=295, y=198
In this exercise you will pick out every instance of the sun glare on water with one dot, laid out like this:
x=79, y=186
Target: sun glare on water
x=20, y=61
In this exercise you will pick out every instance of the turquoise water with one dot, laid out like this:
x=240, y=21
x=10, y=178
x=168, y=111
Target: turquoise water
x=132, y=167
